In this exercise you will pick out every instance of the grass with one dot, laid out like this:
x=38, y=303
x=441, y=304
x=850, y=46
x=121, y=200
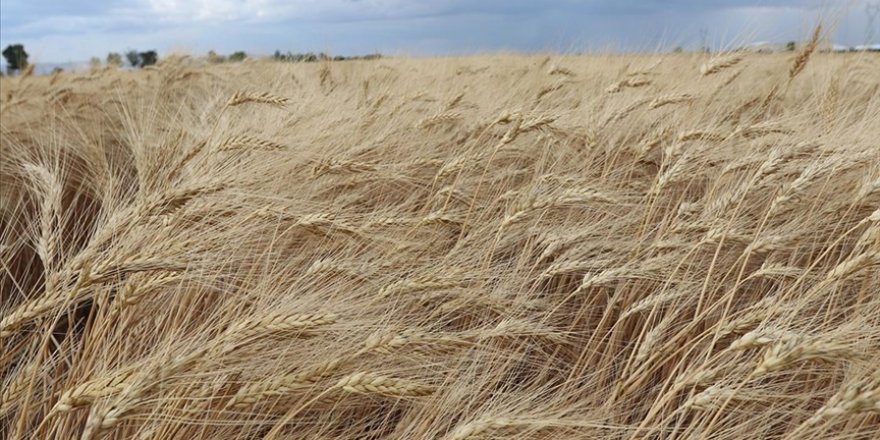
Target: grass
x=534, y=247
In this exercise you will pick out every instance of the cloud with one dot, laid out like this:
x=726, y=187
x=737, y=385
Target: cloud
x=77, y=29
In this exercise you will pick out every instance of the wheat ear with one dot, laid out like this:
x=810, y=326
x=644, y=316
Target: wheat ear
x=256, y=97
x=804, y=56
x=369, y=383
x=718, y=64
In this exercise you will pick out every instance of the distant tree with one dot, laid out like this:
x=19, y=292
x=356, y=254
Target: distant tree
x=214, y=58
x=114, y=59
x=16, y=57
x=94, y=63
x=57, y=70
x=148, y=58
x=311, y=57
x=678, y=49
x=790, y=46
x=237, y=56
x=133, y=58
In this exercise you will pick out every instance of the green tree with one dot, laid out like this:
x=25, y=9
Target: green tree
x=213, y=58
x=237, y=56
x=790, y=46
x=133, y=58
x=57, y=70
x=114, y=59
x=16, y=57
x=94, y=63
x=148, y=58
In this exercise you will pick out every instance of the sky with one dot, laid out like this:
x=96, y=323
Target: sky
x=75, y=30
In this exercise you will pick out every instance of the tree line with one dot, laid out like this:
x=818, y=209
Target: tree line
x=310, y=57
x=17, y=58
x=132, y=57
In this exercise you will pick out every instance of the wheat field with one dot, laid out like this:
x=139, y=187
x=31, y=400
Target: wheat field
x=675, y=246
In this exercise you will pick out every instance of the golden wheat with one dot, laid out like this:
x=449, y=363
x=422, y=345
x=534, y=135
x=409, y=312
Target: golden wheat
x=495, y=246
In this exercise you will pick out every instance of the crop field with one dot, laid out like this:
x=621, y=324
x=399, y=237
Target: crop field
x=672, y=246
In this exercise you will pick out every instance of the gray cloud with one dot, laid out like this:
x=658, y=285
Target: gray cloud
x=78, y=29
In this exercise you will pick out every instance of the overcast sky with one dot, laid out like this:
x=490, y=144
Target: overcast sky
x=73, y=30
